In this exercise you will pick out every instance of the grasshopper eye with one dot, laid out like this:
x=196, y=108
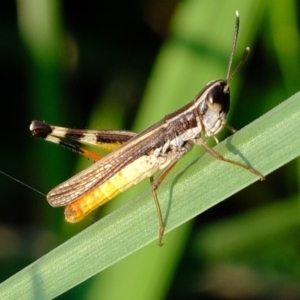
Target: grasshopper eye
x=218, y=99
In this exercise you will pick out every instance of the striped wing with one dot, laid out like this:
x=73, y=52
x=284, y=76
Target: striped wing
x=95, y=175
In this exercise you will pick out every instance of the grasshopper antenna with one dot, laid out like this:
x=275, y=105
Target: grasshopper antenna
x=229, y=76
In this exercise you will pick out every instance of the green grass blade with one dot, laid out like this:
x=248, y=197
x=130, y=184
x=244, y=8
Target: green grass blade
x=267, y=143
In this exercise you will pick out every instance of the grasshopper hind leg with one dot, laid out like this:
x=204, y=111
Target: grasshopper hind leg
x=155, y=183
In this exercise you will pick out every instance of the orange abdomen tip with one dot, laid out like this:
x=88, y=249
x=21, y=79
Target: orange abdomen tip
x=74, y=213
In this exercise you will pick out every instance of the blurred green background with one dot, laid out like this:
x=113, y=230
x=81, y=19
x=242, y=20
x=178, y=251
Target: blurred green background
x=124, y=65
